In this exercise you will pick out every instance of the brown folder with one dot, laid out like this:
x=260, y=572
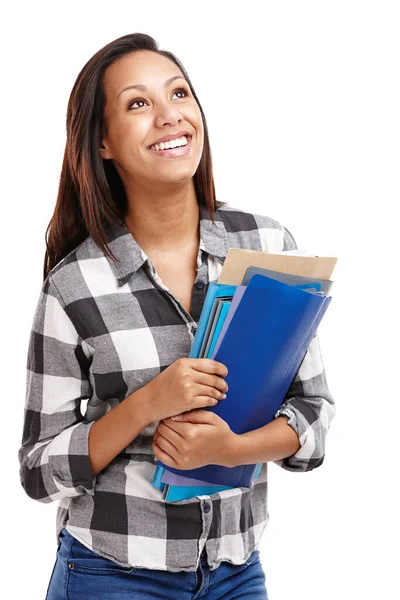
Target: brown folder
x=238, y=260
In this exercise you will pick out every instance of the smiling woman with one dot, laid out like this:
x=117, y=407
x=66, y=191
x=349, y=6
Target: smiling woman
x=136, y=236
x=104, y=163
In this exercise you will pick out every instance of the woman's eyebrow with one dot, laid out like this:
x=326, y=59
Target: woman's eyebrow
x=143, y=88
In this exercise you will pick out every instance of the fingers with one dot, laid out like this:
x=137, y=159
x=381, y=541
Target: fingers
x=208, y=365
x=209, y=393
x=209, y=389
x=162, y=454
x=168, y=432
x=166, y=443
x=204, y=382
x=202, y=401
x=215, y=381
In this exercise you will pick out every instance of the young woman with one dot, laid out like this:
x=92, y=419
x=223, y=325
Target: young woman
x=135, y=239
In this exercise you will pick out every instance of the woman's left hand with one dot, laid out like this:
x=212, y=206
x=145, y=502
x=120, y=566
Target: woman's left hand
x=198, y=438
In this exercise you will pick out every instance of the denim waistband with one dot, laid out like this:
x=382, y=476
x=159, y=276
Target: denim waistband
x=69, y=539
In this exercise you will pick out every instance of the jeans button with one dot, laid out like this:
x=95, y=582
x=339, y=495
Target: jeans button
x=207, y=507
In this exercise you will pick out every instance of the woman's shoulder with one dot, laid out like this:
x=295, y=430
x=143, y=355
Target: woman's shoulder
x=67, y=275
x=254, y=230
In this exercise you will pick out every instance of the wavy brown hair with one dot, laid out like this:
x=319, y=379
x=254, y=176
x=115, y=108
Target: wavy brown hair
x=91, y=194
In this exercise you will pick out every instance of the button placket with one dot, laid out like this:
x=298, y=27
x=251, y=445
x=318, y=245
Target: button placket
x=204, y=576
x=207, y=510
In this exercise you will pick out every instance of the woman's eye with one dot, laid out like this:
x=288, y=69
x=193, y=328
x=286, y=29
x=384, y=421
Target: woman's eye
x=182, y=90
x=185, y=93
x=134, y=102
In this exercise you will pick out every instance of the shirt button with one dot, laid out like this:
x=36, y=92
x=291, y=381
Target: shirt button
x=200, y=284
x=207, y=507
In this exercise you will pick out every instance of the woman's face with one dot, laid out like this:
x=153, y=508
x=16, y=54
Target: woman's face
x=137, y=118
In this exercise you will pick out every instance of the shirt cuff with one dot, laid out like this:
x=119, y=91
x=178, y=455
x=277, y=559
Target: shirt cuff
x=69, y=463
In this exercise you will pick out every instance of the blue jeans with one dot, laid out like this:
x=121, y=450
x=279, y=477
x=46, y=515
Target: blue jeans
x=80, y=573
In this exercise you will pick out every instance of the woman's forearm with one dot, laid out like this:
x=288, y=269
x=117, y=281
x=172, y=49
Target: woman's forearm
x=273, y=441
x=117, y=429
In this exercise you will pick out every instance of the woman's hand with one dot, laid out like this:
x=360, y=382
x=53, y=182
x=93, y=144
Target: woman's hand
x=187, y=384
x=197, y=438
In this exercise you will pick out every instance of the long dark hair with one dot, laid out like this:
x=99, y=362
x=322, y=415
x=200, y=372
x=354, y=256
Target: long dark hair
x=91, y=194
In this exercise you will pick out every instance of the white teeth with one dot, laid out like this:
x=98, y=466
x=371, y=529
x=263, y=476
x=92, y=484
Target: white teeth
x=183, y=141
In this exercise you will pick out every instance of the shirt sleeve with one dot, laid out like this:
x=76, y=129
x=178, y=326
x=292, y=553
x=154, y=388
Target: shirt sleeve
x=308, y=404
x=54, y=456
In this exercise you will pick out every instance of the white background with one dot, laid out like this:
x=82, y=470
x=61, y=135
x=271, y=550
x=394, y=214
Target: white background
x=302, y=102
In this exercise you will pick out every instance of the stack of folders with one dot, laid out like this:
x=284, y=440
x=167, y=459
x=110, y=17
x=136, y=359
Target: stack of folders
x=258, y=319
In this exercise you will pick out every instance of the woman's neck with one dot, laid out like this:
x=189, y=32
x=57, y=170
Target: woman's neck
x=164, y=228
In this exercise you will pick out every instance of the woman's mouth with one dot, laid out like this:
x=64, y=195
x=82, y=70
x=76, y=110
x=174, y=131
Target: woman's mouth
x=174, y=152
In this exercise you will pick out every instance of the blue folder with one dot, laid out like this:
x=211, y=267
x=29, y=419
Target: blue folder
x=298, y=280
x=263, y=348
x=174, y=493
x=216, y=293
x=215, y=290
x=180, y=488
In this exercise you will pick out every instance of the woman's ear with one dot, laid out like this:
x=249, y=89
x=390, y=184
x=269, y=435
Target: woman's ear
x=105, y=153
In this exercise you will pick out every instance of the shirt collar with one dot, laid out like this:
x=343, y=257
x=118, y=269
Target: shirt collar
x=213, y=240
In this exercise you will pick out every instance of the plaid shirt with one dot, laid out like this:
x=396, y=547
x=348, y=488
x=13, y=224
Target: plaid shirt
x=100, y=332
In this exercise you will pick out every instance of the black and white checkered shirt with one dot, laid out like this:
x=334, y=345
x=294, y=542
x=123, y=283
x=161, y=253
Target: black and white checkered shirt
x=100, y=332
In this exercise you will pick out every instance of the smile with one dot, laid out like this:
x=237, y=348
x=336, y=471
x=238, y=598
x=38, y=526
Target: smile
x=174, y=152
